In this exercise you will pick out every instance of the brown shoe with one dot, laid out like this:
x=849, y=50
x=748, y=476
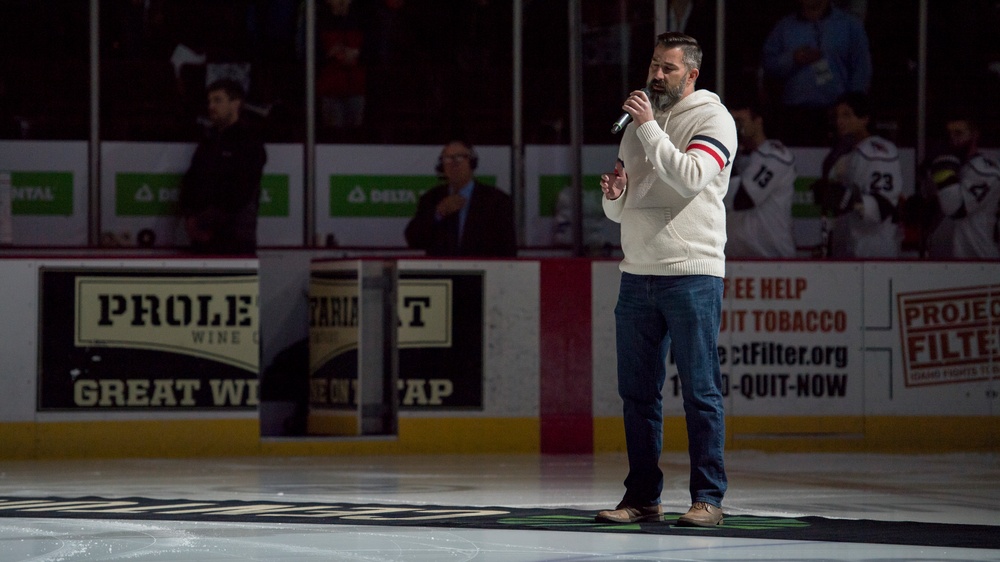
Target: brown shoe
x=701, y=514
x=629, y=514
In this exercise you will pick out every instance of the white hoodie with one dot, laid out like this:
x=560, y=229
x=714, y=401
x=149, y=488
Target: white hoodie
x=672, y=214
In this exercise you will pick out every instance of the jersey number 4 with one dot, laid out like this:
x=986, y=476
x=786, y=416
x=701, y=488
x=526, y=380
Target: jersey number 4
x=979, y=191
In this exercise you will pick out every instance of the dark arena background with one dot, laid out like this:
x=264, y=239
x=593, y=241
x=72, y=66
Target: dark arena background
x=339, y=395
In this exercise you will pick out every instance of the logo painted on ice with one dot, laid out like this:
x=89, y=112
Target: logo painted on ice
x=747, y=523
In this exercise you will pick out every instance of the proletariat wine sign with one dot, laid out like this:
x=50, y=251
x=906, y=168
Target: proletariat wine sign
x=440, y=337
x=148, y=340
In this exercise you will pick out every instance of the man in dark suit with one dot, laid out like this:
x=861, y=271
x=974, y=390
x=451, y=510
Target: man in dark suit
x=463, y=217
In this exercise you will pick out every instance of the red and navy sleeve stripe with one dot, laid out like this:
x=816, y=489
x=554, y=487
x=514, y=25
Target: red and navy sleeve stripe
x=714, y=148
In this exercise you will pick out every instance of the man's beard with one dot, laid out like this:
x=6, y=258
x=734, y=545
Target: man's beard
x=669, y=97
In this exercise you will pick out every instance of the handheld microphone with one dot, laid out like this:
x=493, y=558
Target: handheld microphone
x=625, y=119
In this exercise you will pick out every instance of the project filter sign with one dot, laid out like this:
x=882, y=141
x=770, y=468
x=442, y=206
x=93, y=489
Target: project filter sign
x=440, y=338
x=790, y=340
x=950, y=336
x=148, y=340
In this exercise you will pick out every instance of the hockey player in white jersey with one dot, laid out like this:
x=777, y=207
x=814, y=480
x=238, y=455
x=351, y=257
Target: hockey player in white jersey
x=759, y=200
x=861, y=186
x=968, y=193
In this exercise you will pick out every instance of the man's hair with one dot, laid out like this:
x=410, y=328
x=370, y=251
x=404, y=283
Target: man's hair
x=473, y=156
x=859, y=102
x=687, y=44
x=741, y=103
x=964, y=116
x=231, y=87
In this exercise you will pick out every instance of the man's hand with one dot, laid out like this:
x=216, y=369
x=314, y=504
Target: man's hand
x=637, y=105
x=613, y=184
x=450, y=205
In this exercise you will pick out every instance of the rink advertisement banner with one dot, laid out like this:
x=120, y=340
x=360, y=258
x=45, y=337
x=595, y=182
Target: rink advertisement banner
x=42, y=193
x=156, y=195
x=840, y=341
x=790, y=340
x=440, y=340
x=48, y=181
x=950, y=336
x=440, y=367
x=114, y=339
x=379, y=196
x=333, y=338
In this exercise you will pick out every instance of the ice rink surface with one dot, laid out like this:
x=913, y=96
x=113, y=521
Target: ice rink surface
x=958, y=489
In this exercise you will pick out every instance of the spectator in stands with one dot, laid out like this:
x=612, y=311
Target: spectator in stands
x=340, y=76
x=967, y=186
x=10, y=124
x=211, y=42
x=861, y=186
x=389, y=42
x=220, y=192
x=460, y=47
x=814, y=56
x=462, y=217
x=761, y=187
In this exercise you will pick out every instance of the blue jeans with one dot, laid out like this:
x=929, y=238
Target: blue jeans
x=652, y=313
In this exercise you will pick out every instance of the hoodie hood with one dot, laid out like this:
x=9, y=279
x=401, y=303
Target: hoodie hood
x=695, y=99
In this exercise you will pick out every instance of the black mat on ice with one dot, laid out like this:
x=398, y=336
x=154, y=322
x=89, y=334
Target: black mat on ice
x=736, y=526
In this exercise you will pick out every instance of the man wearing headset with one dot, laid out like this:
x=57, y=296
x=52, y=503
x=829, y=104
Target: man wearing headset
x=462, y=217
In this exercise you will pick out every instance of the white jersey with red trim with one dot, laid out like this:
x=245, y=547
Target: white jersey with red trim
x=759, y=203
x=871, y=171
x=971, y=204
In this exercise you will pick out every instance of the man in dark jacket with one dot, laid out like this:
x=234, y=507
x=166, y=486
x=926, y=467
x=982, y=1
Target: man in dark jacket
x=220, y=192
x=463, y=217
